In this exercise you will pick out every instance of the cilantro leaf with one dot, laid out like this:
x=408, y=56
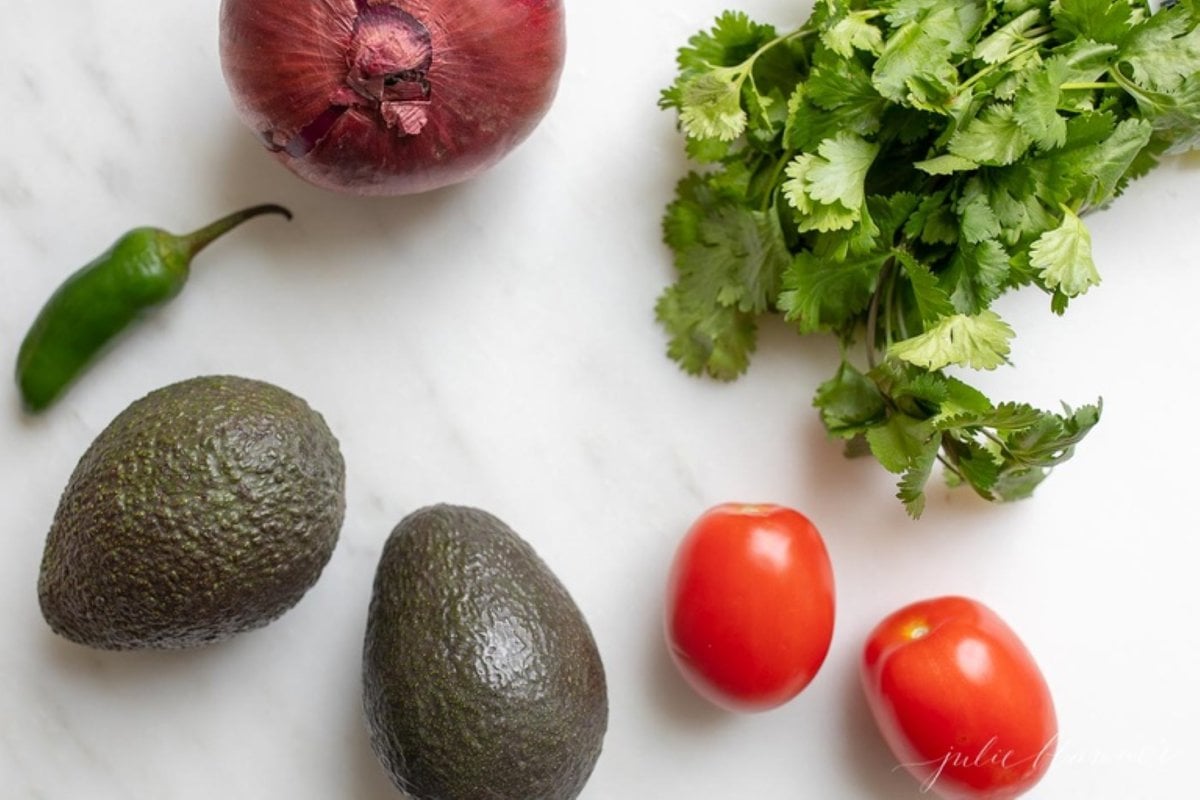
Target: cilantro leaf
x=957, y=401
x=977, y=219
x=821, y=294
x=713, y=69
x=846, y=92
x=853, y=32
x=890, y=213
x=931, y=299
x=1035, y=106
x=1030, y=452
x=885, y=172
x=813, y=215
x=910, y=52
x=1063, y=257
x=933, y=221
x=977, y=275
x=1104, y=167
x=945, y=164
x=1004, y=417
x=739, y=255
x=999, y=45
x=849, y=402
x=911, y=489
x=1053, y=437
x=711, y=106
x=838, y=176
x=712, y=339
x=1019, y=198
x=900, y=441
x=994, y=138
x=930, y=35
x=973, y=463
x=730, y=261
x=807, y=123
x=1084, y=60
x=1164, y=50
x=979, y=341
x=1173, y=115
x=827, y=188
x=734, y=38
x=1098, y=20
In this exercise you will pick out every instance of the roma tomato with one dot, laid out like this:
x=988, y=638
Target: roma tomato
x=959, y=699
x=749, y=611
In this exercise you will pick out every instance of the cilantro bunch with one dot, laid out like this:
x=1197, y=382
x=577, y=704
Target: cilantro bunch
x=889, y=169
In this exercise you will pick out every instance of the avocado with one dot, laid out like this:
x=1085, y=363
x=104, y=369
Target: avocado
x=206, y=508
x=481, y=678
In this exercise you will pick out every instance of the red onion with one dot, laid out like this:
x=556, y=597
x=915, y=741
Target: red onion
x=391, y=96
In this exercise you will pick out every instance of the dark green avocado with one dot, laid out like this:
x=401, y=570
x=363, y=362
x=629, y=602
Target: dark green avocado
x=206, y=508
x=482, y=680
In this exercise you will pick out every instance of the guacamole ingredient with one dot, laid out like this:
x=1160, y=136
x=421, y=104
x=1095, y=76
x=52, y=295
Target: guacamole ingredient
x=885, y=172
x=387, y=97
x=206, y=508
x=750, y=605
x=144, y=268
x=959, y=699
x=481, y=678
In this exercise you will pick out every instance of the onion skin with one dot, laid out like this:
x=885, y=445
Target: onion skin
x=390, y=97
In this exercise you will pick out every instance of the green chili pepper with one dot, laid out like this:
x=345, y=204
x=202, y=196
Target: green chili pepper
x=144, y=268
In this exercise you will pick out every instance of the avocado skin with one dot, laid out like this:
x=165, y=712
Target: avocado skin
x=482, y=680
x=206, y=508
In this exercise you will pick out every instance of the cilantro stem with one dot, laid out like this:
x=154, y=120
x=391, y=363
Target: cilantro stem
x=1008, y=451
x=1029, y=47
x=896, y=311
x=951, y=467
x=773, y=183
x=1127, y=85
x=889, y=310
x=872, y=321
x=1089, y=85
x=746, y=68
x=884, y=279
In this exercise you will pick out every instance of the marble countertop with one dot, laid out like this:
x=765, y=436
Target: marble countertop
x=494, y=344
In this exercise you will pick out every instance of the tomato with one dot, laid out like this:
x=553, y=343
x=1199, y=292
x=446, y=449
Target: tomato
x=959, y=699
x=749, y=611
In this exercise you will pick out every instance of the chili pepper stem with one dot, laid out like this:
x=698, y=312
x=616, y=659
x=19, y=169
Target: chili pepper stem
x=196, y=241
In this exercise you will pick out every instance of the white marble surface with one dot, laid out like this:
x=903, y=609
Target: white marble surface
x=493, y=344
